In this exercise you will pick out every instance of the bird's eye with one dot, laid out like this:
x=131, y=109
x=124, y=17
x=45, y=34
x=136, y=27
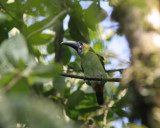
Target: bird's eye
x=80, y=47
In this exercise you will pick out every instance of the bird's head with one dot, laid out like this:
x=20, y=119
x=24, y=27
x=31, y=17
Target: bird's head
x=79, y=46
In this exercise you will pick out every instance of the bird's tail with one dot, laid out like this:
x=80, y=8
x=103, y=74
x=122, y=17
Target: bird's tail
x=99, y=94
x=100, y=99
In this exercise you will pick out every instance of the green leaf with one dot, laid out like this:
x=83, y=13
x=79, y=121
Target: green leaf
x=67, y=55
x=108, y=90
x=75, y=98
x=50, y=70
x=37, y=88
x=59, y=83
x=85, y=109
x=98, y=46
x=15, y=49
x=93, y=15
x=4, y=33
x=14, y=53
x=120, y=112
x=21, y=87
x=72, y=113
x=39, y=39
x=110, y=116
x=99, y=117
x=77, y=27
x=50, y=48
x=6, y=27
x=76, y=65
x=42, y=7
x=91, y=98
x=78, y=30
x=32, y=112
x=5, y=66
x=36, y=26
x=3, y=17
x=5, y=78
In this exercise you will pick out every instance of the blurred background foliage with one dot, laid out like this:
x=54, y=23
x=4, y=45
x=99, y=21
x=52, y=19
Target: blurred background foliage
x=32, y=92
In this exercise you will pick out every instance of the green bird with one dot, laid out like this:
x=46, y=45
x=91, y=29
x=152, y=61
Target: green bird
x=92, y=66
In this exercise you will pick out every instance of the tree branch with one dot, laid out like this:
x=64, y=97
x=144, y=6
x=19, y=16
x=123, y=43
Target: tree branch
x=114, y=70
x=105, y=117
x=111, y=70
x=91, y=78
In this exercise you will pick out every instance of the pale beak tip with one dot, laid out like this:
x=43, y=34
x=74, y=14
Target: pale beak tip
x=61, y=43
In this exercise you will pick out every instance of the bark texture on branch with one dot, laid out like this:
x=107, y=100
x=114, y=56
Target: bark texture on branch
x=140, y=22
x=91, y=78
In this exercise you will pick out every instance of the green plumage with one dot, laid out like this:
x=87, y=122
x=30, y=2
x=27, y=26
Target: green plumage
x=92, y=67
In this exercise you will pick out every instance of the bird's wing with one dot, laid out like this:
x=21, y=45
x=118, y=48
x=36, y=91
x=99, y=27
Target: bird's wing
x=82, y=68
x=101, y=59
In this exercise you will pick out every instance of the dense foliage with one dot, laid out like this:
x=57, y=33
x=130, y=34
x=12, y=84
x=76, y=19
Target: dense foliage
x=32, y=91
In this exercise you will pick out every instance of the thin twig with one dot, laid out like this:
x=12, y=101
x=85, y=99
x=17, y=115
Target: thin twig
x=105, y=117
x=47, y=25
x=112, y=26
x=114, y=70
x=108, y=106
x=91, y=78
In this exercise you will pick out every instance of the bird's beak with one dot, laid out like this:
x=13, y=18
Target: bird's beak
x=71, y=44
